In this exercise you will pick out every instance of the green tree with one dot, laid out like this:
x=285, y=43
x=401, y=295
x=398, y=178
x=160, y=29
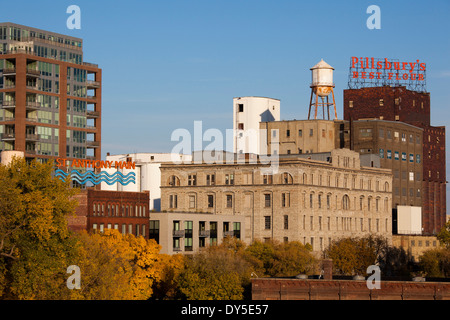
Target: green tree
x=36, y=246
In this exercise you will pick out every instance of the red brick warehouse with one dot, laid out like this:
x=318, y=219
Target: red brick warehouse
x=408, y=102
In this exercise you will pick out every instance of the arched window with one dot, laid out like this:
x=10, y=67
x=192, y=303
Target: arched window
x=174, y=181
x=286, y=178
x=386, y=186
x=345, y=202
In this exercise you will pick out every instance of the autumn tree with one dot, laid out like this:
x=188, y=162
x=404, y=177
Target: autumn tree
x=353, y=255
x=444, y=235
x=116, y=266
x=215, y=273
x=276, y=259
x=36, y=246
x=435, y=262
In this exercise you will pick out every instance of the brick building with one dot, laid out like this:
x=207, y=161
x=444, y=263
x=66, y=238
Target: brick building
x=122, y=210
x=50, y=98
x=401, y=104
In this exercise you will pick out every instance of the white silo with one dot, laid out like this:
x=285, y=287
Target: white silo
x=322, y=86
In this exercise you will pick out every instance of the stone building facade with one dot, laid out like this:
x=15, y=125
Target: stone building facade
x=303, y=200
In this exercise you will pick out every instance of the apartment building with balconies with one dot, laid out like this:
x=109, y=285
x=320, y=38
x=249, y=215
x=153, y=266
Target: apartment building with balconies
x=50, y=99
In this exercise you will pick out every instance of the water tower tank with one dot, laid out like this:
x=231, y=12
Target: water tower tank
x=322, y=78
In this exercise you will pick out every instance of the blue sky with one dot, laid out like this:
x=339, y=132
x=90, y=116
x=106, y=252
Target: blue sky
x=169, y=63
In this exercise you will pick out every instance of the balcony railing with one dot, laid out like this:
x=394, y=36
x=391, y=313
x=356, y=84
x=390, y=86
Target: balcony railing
x=92, y=144
x=8, y=104
x=9, y=71
x=92, y=84
x=8, y=136
x=228, y=233
x=93, y=114
x=33, y=105
x=33, y=72
x=203, y=233
x=32, y=137
x=34, y=120
x=178, y=233
x=9, y=118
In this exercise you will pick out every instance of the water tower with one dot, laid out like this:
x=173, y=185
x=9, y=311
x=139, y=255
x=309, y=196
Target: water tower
x=321, y=87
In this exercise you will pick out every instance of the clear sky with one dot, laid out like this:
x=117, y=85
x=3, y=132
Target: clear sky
x=169, y=63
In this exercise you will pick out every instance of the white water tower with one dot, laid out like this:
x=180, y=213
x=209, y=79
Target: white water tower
x=321, y=87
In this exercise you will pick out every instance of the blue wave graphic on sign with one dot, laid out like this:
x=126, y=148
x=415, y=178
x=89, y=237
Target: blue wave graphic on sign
x=97, y=178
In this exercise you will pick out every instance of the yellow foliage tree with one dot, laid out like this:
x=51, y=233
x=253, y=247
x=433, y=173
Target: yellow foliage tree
x=116, y=267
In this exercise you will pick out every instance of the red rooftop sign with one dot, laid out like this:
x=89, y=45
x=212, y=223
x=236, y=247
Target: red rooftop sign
x=371, y=72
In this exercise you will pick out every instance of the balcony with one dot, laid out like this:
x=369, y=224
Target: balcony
x=92, y=84
x=91, y=97
x=8, y=136
x=93, y=114
x=32, y=120
x=9, y=104
x=178, y=233
x=228, y=234
x=33, y=105
x=203, y=233
x=32, y=87
x=92, y=144
x=33, y=73
x=32, y=137
x=9, y=71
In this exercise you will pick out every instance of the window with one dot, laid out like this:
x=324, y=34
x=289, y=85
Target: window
x=286, y=222
x=288, y=133
x=192, y=201
x=350, y=104
x=210, y=179
x=192, y=180
x=382, y=153
x=287, y=178
x=388, y=154
x=237, y=230
x=365, y=133
x=267, y=222
x=173, y=201
x=241, y=107
x=210, y=201
x=267, y=202
x=396, y=155
x=403, y=156
x=417, y=158
x=300, y=133
x=267, y=179
x=285, y=199
x=381, y=102
x=311, y=200
x=229, y=201
x=229, y=179
x=311, y=132
x=345, y=202
x=174, y=181
x=411, y=157
x=411, y=176
x=240, y=126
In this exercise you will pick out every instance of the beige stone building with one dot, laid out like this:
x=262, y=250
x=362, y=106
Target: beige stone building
x=304, y=200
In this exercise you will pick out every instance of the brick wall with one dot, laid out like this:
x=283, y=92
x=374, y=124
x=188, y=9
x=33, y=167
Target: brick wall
x=296, y=289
